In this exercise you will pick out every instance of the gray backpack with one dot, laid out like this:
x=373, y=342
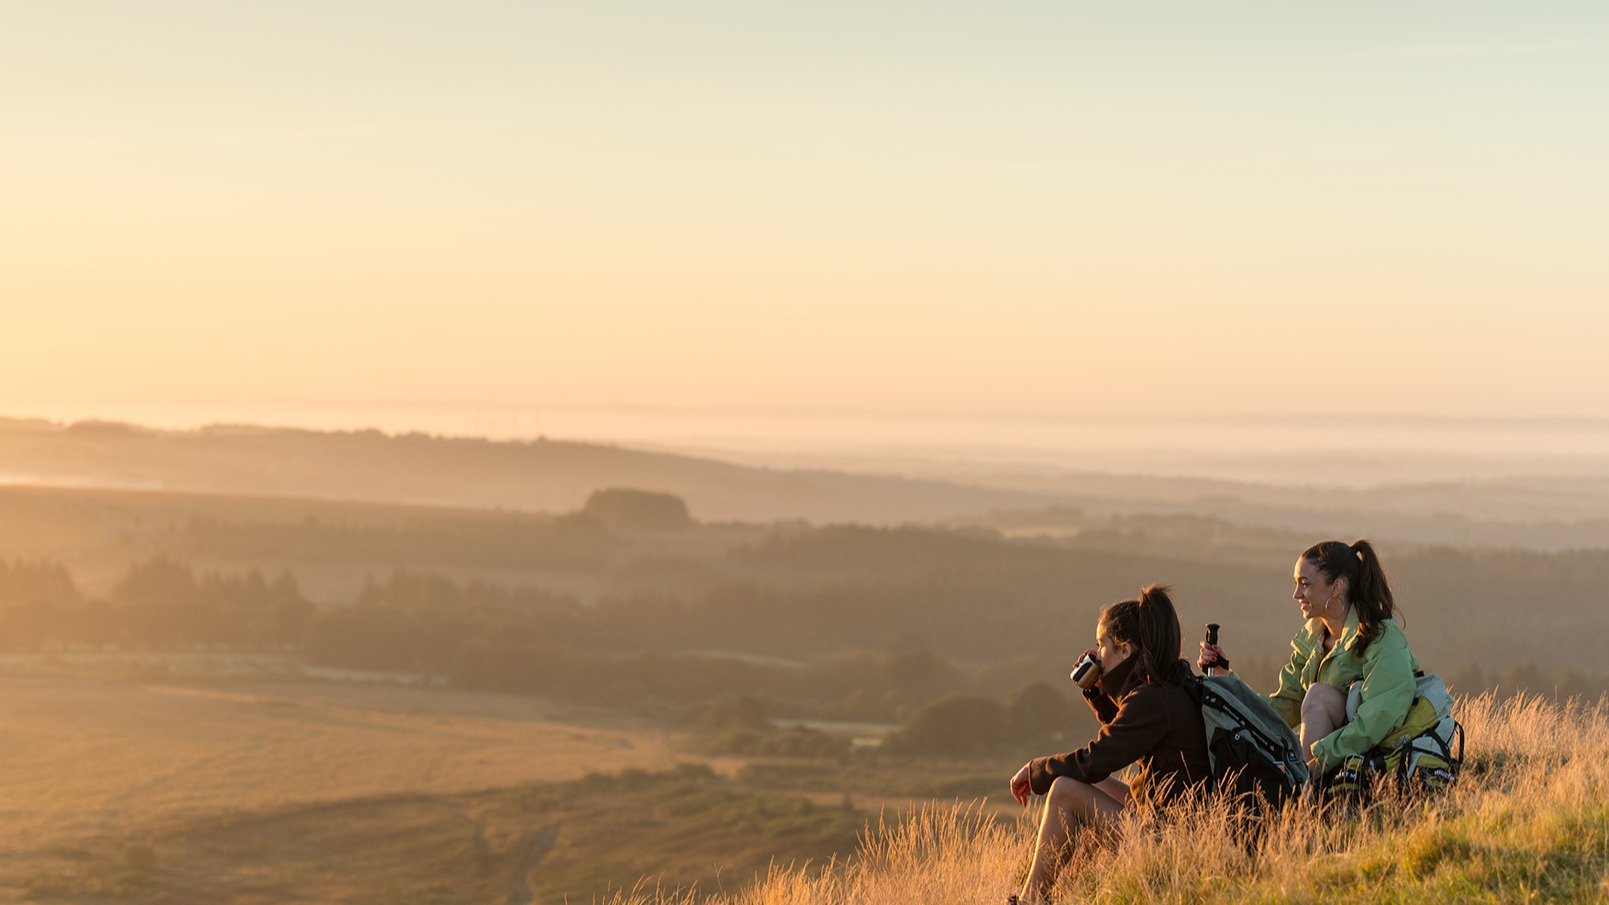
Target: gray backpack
x=1252, y=750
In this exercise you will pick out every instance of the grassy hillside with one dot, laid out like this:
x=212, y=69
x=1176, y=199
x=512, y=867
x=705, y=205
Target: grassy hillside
x=1529, y=822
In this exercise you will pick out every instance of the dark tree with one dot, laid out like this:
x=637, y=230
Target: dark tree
x=622, y=509
x=954, y=725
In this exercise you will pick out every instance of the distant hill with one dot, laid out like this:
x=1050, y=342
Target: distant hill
x=1536, y=511
x=539, y=475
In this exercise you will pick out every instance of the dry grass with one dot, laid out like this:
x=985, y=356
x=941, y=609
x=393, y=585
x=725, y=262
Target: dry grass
x=86, y=758
x=288, y=792
x=1529, y=822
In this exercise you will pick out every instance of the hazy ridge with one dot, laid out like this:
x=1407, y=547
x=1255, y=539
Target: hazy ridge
x=539, y=475
x=1529, y=508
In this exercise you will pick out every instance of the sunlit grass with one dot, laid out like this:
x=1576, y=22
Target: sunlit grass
x=1528, y=822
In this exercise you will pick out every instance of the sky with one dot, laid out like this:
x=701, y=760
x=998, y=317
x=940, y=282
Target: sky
x=1058, y=209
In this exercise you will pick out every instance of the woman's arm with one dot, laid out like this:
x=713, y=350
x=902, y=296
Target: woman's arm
x=1097, y=699
x=1105, y=708
x=1387, y=693
x=1138, y=726
x=1287, y=701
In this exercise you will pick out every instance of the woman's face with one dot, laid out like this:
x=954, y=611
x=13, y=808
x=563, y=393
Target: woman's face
x=1318, y=597
x=1112, y=652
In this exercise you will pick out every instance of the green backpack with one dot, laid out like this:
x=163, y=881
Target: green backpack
x=1423, y=755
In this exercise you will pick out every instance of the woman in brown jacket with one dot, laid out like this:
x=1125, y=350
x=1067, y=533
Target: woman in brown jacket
x=1147, y=718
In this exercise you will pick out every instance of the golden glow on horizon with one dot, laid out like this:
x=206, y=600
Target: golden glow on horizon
x=727, y=207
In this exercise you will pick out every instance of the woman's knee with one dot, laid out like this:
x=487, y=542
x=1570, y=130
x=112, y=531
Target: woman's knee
x=1081, y=800
x=1324, y=702
x=1065, y=789
x=1064, y=786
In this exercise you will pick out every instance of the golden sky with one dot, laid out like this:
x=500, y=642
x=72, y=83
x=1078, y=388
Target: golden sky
x=1067, y=208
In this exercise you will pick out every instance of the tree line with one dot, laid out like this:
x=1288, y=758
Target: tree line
x=158, y=603
x=634, y=651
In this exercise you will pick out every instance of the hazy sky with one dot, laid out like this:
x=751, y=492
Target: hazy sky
x=1057, y=207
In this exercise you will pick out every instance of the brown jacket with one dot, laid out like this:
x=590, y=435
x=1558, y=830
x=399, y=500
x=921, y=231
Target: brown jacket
x=1155, y=724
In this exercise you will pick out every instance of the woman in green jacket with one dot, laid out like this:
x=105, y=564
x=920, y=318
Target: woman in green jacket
x=1350, y=636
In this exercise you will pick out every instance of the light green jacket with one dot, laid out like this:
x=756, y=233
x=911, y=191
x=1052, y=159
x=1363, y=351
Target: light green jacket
x=1387, y=669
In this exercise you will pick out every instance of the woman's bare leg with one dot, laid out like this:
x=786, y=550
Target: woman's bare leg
x=1116, y=789
x=1323, y=712
x=1070, y=805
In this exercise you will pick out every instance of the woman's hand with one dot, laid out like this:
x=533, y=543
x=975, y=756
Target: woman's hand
x=1212, y=657
x=1087, y=680
x=1020, y=789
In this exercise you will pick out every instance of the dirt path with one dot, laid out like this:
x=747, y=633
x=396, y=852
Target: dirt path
x=523, y=894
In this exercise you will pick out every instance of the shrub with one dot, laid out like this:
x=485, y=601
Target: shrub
x=954, y=725
x=623, y=509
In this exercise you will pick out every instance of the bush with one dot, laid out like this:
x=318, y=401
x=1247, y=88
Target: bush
x=1036, y=712
x=797, y=742
x=729, y=712
x=955, y=725
x=637, y=510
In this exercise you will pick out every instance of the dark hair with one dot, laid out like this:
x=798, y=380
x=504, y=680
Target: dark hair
x=1152, y=626
x=1366, y=587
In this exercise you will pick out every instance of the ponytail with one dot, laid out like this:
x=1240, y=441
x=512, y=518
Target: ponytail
x=1152, y=625
x=1366, y=586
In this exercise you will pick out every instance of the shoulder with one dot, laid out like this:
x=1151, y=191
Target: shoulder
x=1158, y=697
x=1142, y=696
x=1389, y=643
x=1390, y=636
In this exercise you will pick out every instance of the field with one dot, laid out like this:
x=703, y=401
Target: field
x=230, y=782
x=204, y=786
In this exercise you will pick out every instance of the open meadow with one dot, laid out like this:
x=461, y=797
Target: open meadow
x=84, y=756
x=193, y=787
x=103, y=776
